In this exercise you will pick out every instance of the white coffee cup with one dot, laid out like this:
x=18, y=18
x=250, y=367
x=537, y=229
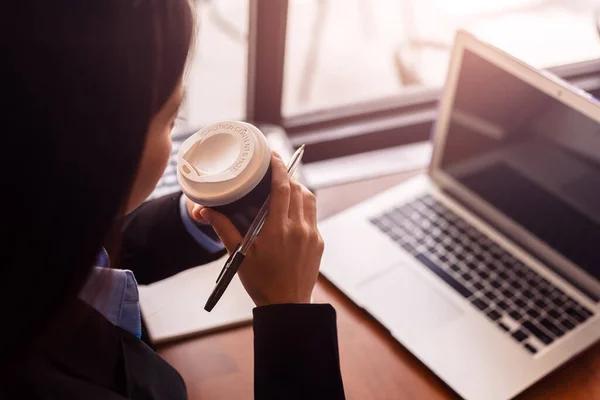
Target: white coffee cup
x=226, y=166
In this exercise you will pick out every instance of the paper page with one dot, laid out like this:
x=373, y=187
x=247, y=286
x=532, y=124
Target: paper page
x=174, y=308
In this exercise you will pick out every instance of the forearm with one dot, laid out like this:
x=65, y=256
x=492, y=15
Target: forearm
x=155, y=243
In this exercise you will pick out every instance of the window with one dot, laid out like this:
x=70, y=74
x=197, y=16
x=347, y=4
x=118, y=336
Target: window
x=348, y=76
x=341, y=52
x=215, y=83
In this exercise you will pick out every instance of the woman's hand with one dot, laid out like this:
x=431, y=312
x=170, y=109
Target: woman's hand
x=283, y=264
x=194, y=210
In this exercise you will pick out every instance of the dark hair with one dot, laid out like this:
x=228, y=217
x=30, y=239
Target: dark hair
x=80, y=83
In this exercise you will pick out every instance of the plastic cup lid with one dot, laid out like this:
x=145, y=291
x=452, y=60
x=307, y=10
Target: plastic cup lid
x=222, y=162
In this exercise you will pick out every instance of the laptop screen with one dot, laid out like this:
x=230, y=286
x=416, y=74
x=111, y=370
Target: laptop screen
x=530, y=156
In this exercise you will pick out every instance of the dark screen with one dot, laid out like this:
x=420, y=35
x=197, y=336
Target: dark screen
x=530, y=156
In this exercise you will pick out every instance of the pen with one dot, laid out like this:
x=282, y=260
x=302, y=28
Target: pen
x=239, y=254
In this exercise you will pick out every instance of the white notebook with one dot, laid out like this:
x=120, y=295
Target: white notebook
x=174, y=308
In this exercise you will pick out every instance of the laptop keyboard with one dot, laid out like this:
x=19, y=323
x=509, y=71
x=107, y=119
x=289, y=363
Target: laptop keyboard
x=513, y=296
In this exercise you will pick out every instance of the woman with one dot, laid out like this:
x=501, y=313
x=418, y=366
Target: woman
x=91, y=92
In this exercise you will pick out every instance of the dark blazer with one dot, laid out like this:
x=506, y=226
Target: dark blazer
x=86, y=357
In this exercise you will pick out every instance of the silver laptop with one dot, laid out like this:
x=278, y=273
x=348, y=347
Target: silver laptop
x=488, y=268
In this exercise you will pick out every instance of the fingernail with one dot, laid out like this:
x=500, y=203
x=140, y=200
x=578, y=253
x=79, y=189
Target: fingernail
x=206, y=215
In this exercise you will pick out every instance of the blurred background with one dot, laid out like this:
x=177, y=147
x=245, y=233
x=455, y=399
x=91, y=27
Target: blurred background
x=353, y=77
x=344, y=51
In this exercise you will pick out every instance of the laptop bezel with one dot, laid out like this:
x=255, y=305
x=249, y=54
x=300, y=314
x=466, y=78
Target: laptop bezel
x=543, y=81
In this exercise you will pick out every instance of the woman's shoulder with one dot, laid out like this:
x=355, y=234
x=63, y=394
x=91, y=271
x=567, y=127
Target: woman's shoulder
x=93, y=359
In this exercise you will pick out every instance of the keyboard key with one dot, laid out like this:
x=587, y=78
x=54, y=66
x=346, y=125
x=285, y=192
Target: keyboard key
x=533, y=313
x=507, y=293
x=530, y=348
x=496, y=284
x=531, y=282
x=471, y=265
x=463, y=291
x=543, y=282
x=396, y=237
x=516, y=315
x=553, y=313
x=492, y=267
x=477, y=285
x=555, y=330
x=570, y=303
x=483, y=274
x=537, y=332
x=520, y=303
x=503, y=275
x=479, y=257
x=502, y=305
x=409, y=248
x=466, y=276
x=493, y=315
x=503, y=327
x=528, y=294
x=585, y=311
x=519, y=335
x=403, y=212
x=568, y=325
x=479, y=303
x=541, y=304
x=515, y=284
x=576, y=315
x=564, y=300
x=379, y=223
x=490, y=295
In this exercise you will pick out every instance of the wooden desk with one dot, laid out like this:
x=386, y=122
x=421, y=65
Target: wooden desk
x=374, y=365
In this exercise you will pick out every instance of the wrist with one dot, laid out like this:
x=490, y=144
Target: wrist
x=282, y=299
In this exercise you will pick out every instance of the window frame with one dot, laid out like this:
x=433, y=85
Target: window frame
x=349, y=129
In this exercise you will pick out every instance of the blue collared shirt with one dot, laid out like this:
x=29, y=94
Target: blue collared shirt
x=114, y=292
x=201, y=238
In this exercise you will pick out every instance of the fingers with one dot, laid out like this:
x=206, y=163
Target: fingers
x=296, y=211
x=309, y=203
x=193, y=210
x=197, y=214
x=279, y=202
x=228, y=233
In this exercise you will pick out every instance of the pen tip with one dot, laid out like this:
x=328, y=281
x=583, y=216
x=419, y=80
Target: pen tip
x=302, y=147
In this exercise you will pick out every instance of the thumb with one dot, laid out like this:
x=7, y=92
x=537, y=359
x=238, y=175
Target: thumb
x=197, y=215
x=228, y=233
